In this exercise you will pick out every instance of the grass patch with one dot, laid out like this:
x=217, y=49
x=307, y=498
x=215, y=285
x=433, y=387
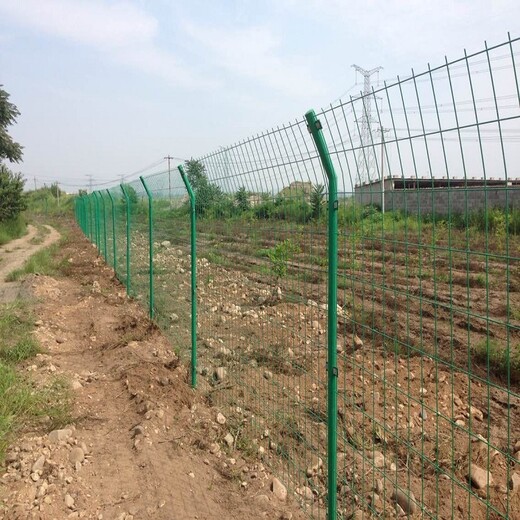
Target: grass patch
x=11, y=229
x=22, y=404
x=217, y=259
x=16, y=323
x=501, y=359
x=42, y=262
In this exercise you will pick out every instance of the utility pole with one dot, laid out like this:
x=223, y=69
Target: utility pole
x=169, y=158
x=90, y=177
x=35, y=184
x=366, y=158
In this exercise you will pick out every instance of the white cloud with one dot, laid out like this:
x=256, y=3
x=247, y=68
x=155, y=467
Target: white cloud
x=255, y=53
x=120, y=30
x=414, y=29
x=89, y=22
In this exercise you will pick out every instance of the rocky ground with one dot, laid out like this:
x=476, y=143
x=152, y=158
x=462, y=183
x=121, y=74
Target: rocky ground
x=142, y=444
x=416, y=434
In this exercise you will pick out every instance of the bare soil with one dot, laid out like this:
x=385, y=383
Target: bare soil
x=416, y=416
x=14, y=254
x=152, y=447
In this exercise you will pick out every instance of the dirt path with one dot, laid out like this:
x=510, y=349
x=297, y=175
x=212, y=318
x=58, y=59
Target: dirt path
x=14, y=254
x=143, y=445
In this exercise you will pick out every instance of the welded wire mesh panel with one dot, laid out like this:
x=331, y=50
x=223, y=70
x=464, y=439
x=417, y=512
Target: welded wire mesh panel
x=102, y=224
x=262, y=286
x=171, y=253
x=139, y=240
x=428, y=292
x=429, y=274
x=119, y=229
x=109, y=227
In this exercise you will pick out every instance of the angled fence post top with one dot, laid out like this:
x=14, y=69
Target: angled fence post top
x=315, y=128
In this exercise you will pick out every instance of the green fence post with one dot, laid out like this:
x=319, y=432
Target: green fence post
x=81, y=214
x=314, y=126
x=90, y=227
x=87, y=217
x=150, y=242
x=127, y=202
x=104, y=226
x=98, y=223
x=113, y=230
x=193, y=242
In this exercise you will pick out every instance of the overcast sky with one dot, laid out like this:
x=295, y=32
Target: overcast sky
x=107, y=88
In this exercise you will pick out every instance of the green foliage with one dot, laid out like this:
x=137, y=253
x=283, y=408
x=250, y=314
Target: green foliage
x=292, y=210
x=196, y=174
x=42, y=201
x=280, y=254
x=317, y=200
x=9, y=149
x=11, y=229
x=207, y=194
x=22, y=405
x=502, y=359
x=15, y=330
x=12, y=198
x=131, y=193
x=264, y=210
x=242, y=199
x=55, y=190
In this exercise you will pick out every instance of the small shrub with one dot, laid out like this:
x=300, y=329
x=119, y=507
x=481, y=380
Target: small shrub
x=280, y=255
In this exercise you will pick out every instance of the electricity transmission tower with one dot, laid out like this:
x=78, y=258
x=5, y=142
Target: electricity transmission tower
x=366, y=154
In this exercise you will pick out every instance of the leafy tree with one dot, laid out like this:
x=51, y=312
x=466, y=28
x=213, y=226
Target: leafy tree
x=9, y=149
x=55, y=190
x=317, y=200
x=242, y=199
x=196, y=174
x=207, y=194
x=132, y=194
x=12, y=199
x=81, y=193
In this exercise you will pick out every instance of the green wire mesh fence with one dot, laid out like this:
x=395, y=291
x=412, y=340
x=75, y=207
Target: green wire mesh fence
x=358, y=282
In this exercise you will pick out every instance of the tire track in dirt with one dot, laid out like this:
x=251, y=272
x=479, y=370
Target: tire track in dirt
x=14, y=254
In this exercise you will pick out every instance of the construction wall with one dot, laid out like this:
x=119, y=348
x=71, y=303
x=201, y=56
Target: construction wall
x=441, y=201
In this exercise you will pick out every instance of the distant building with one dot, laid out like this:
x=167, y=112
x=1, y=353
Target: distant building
x=439, y=196
x=298, y=189
x=255, y=199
